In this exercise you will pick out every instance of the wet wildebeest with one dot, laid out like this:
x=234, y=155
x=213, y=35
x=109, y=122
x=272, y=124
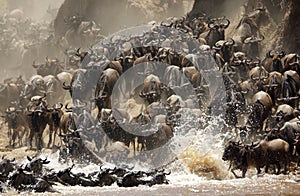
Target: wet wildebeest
x=6, y=167
x=265, y=153
x=25, y=181
x=35, y=165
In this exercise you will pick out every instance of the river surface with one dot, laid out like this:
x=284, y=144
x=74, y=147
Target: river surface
x=193, y=175
x=199, y=170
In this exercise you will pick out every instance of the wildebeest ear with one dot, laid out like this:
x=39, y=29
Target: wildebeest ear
x=29, y=159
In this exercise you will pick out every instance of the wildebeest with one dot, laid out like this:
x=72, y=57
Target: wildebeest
x=251, y=46
x=249, y=25
x=17, y=125
x=37, y=120
x=291, y=62
x=260, y=110
x=6, y=167
x=152, y=89
x=225, y=49
x=8, y=93
x=273, y=85
x=290, y=88
x=272, y=61
x=50, y=67
x=35, y=165
x=104, y=88
x=263, y=154
x=284, y=113
x=215, y=31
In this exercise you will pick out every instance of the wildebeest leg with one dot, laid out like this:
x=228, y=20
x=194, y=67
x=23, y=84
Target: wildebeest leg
x=134, y=147
x=286, y=167
x=50, y=135
x=232, y=170
x=9, y=134
x=142, y=142
x=54, y=136
x=244, y=172
x=31, y=134
x=267, y=168
x=21, y=136
x=39, y=144
x=14, y=136
x=278, y=168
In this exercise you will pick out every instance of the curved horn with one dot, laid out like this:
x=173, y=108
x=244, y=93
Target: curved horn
x=270, y=54
x=281, y=54
x=142, y=94
x=34, y=65
x=261, y=38
x=211, y=25
x=227, y=23
x=2, y=87
x=40, y=99
x=7, y=110
x=60, y=105
x=247, y=40
x=66, y=107
x=78, y=52
x=230, y=42
x=66, y=87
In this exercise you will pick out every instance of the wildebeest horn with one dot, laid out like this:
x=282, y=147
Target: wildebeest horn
x=40, y=99
x=253, y=78
x=34, y=65
x=227, y=23
x=45, y=161
x=257, y=61
x=29, y=159
x=211, y=24
x=142, y=94
x=287, y=99
x=7, y=110
x=2, y=87
x=66, y=107
x=230, y=42
x=60, y=105
x=66, y=87
x=270, y=54
x=281, y=54
x=261, y=38
x=247, y=40
x=78, y=52
x=166, y=25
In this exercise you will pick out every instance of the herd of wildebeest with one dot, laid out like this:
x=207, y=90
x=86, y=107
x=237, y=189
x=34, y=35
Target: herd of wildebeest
x=77, y=100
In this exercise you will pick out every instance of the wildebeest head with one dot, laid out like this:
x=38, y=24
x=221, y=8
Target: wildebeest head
x=6, y=166
x=216, y=30
x=251, y=46
x=231, y=151
x=225, y=48
x=260, y=15
x=36, y=164
x=276, y=59
x=152, y=89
